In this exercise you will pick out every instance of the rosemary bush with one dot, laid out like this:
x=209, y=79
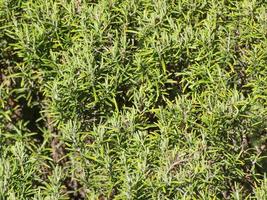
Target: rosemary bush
x=132, y=99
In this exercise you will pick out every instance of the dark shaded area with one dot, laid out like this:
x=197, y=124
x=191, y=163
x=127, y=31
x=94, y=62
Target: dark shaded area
x=32, y=115
x=75, y=189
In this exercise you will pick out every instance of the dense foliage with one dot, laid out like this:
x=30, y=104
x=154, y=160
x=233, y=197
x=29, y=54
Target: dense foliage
x=133, y=99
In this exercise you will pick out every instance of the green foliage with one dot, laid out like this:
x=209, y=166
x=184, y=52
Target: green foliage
x=133, y=99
